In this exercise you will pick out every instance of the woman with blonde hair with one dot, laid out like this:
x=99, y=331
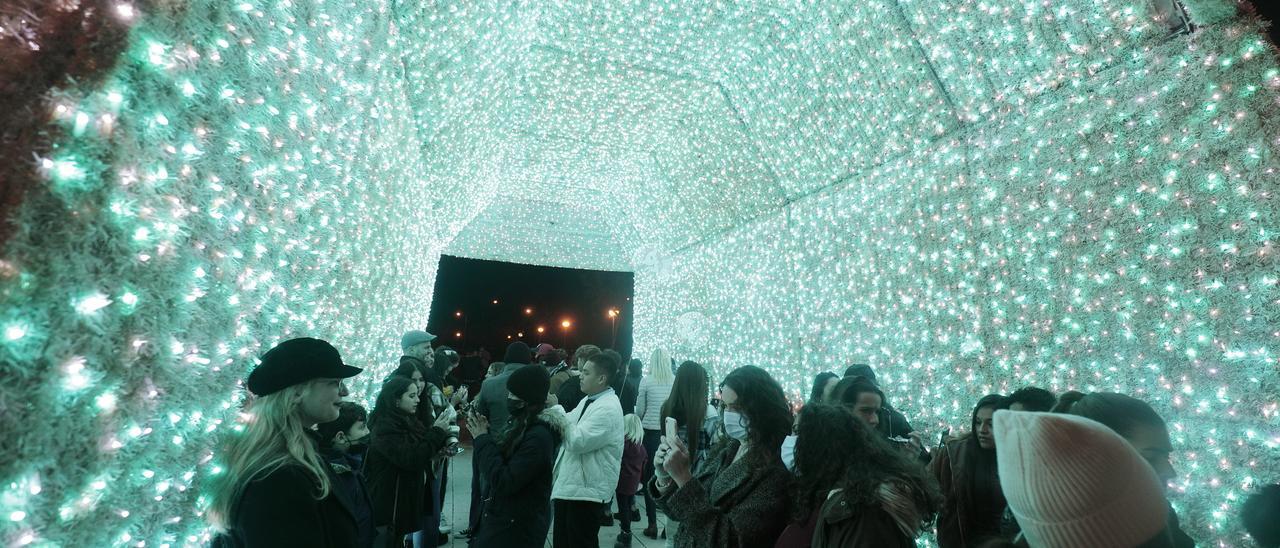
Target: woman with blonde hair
x=653, y=393
x=275, y=488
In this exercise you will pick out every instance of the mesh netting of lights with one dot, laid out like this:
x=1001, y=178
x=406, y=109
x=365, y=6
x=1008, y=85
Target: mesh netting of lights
x=972, y=196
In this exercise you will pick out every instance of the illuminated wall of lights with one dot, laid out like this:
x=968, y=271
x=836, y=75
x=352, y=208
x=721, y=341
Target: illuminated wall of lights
x=971, y=196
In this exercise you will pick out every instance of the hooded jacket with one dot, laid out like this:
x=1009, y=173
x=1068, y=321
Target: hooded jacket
x=517, y=510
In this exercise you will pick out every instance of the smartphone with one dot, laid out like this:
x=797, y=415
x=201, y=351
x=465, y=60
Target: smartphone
x=671, y=431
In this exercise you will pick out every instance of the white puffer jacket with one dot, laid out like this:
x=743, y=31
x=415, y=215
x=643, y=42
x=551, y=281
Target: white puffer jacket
x=591, y=453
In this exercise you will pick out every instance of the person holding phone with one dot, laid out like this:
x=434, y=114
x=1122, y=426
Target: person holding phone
x=516, y=464
x=739, y=495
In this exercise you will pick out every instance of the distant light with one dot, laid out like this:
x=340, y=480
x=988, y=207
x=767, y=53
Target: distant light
x=495, y=301
x=14, y=332
x=565, y=324
x=458, y=314
x=92, y=303
x=541, y=329
x=521, y=334
x=125, y=11
x=458, y=334
x=528, y=311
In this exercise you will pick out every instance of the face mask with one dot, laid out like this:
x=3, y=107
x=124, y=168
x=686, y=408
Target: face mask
x=515, y=407
x=789, y=452
x=359, y=445
x=735, y=425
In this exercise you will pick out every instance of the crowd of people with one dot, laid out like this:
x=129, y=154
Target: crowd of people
x=559, y=440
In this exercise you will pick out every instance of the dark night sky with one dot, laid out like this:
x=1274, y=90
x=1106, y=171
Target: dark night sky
x=554, y=294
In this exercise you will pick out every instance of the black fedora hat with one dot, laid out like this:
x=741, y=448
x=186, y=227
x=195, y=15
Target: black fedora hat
x=295, y=361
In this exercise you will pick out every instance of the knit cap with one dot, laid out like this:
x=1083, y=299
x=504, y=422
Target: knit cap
x=530, y=383
x=1073, y=482
x=517, y=352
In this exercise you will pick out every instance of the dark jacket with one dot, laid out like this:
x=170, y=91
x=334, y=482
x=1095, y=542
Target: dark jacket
x=729, y=504
x=633, y=457
x=959, y=523
x=893, y=522
x=570, y=393
x=517, y=512
x=628, y=389
x=398, y=470
x=346, y=470
x=893, y=423
x=492, y=399
x=1180, y=538
x=280, y=510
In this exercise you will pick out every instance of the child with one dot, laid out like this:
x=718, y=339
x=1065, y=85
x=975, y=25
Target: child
x=340, y=444
x=633, y=457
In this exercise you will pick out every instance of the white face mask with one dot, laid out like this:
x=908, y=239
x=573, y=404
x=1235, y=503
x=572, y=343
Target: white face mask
x=789, y=452
x=735, y=425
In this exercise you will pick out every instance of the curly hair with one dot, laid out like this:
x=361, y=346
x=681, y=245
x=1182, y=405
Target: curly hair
x=765, y=405
x=835, y=449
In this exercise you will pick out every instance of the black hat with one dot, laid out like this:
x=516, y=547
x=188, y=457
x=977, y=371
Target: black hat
x=530, y=383
x=861, y=370
x=295, y=361
x=518, y=352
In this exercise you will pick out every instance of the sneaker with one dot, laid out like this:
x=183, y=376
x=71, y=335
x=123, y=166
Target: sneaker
x=445, y=528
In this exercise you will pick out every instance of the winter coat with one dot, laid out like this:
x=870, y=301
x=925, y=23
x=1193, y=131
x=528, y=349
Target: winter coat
x=728, y=504
x=628, y=388
x=280, y=509
x=570, y=393
x=591, y=455
x=893, y=423
x=633, y=457
x=398, y=470
x=492, y=400
x=517, y=512
x=959, y=524
x=649, y=400
x=894, y=520
x=346, y=470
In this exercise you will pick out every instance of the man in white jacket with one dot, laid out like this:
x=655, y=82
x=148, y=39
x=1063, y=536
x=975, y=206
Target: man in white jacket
x=586, y=472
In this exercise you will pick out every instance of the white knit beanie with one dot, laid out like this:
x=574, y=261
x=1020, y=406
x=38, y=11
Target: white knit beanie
x=1073, y=482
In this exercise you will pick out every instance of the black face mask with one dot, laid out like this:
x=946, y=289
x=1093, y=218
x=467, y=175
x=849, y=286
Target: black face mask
x=516, y=407
x=359, y=446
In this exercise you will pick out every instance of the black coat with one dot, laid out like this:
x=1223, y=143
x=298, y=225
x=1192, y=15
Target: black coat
x=398, y=470
x=628, y=389
x=517, y=512
x=280, y=510
x=570, y=393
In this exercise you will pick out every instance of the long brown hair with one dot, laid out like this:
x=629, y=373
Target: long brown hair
x=688, y=401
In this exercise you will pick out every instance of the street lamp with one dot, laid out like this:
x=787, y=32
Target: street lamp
x=613, y=327
x=541, y=330
x=465, y=327
x=528, y=312
x=565, y=325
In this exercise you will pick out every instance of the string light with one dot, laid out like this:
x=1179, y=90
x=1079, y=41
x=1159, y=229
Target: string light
x=971, y=199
